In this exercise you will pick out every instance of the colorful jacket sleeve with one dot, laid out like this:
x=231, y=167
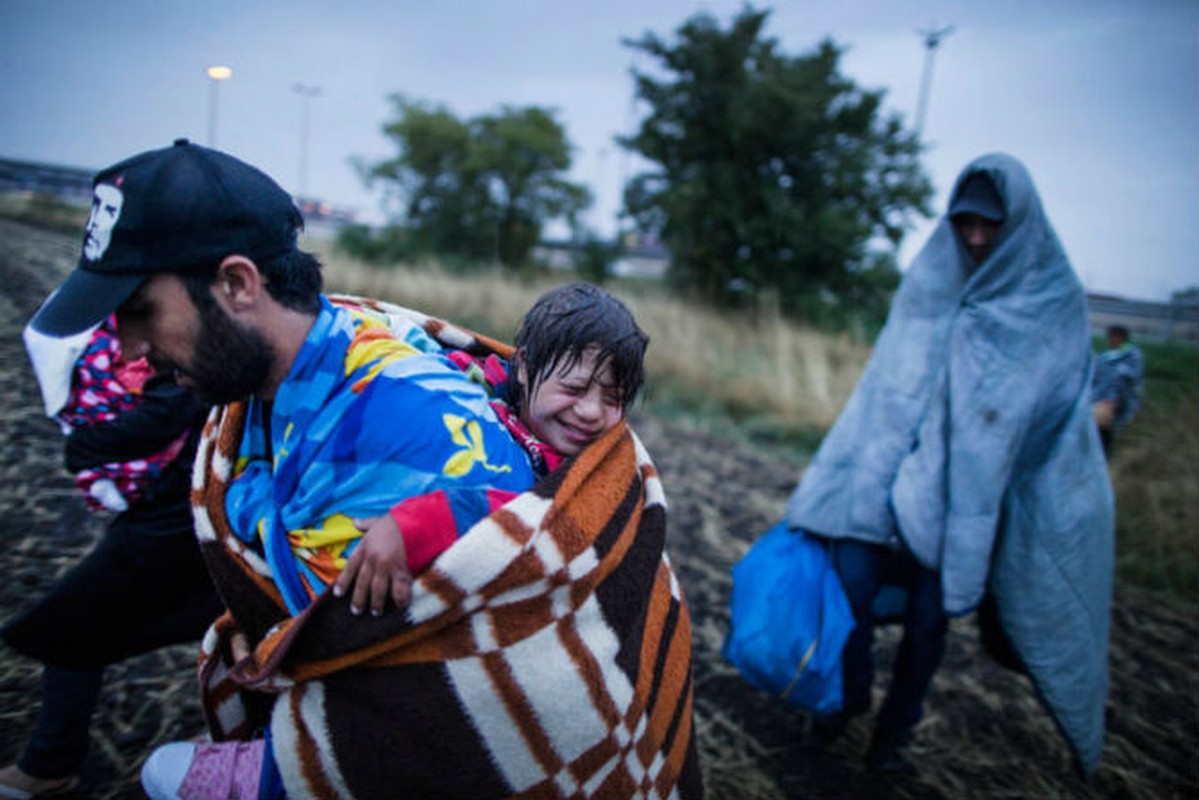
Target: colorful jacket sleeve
x=430, y=523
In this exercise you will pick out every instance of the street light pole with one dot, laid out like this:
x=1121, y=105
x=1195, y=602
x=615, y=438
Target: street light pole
x=306, y=93
x=932, y=38
x=215, y=74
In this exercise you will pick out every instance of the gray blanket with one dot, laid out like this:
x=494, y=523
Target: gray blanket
x=970, y=437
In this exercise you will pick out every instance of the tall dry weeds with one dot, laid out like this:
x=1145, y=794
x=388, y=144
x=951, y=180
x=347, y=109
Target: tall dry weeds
x=1155, y=475
x=743, y=366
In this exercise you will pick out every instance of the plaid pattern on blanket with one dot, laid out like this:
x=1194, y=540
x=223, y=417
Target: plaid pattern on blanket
x=546, y=654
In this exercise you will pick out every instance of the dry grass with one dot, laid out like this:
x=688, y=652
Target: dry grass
x=748, y=368
x=1155, y=473
x=44, y=211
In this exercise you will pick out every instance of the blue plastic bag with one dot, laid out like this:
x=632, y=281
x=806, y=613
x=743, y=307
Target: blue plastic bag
x=790, y=620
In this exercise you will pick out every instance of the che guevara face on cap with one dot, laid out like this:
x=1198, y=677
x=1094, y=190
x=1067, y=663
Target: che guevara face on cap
x=178, y=209
x=107, y=201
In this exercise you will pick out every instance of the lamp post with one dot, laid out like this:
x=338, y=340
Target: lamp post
x=306, y=93
x=215, y=74
x=932, y=38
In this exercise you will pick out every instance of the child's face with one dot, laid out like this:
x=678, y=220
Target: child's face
x=572, y=408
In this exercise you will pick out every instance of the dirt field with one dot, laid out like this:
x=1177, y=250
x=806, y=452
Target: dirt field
x=984, y=735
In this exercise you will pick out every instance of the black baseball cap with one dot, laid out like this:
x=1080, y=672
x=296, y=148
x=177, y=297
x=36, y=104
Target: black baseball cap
x=978, y=195
x=180, y=209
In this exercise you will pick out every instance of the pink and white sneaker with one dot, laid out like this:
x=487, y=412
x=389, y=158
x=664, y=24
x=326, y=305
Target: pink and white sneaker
x=204, y=771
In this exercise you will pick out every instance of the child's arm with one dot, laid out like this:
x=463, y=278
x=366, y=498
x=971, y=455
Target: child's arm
x=166, y=410
x=377, y=569
x=406, y=540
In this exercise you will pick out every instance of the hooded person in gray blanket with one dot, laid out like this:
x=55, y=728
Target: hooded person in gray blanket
x=966, y=462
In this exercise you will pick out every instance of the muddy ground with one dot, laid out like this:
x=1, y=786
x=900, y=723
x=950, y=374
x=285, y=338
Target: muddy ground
x=984, y=734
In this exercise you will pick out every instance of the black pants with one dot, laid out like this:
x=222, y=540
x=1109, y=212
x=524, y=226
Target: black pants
x=863, y=569
x=143, y=586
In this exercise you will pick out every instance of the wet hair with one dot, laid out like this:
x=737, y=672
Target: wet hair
x=293, y=279
x=569, y=319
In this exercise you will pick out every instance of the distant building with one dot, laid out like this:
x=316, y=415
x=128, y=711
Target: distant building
x=68, y=183
x=321, y=217
x=638, y=258
x=1177, y=320
x=642, y=257
x=75, y=185
x=557, y=254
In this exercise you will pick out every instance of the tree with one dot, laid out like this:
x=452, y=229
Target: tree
x=436, y=181
x=481, y=188
x=772, y=171
x=525, y=153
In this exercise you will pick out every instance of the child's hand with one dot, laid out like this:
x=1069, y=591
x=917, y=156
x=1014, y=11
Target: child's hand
x=378, y=568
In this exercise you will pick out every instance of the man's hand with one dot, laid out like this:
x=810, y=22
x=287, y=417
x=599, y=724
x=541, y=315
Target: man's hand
x=377, y=569
x=1104, y=412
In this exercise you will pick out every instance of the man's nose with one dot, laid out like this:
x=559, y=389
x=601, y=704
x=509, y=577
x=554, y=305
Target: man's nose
x=982, y=238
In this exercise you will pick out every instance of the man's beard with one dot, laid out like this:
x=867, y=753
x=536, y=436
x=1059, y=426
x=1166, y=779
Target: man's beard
x=229, y=361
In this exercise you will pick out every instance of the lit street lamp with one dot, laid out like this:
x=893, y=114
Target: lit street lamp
x=216, y=74
x=306, y=93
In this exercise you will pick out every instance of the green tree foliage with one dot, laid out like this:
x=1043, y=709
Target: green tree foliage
x=525, y=153
x=772, y=172
x=480, y=188
x=596, y=256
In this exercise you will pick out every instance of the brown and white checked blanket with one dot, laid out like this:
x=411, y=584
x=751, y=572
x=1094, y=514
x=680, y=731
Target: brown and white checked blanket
x=546, y=654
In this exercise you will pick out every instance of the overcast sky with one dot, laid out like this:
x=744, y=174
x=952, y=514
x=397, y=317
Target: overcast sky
x=1099, y=98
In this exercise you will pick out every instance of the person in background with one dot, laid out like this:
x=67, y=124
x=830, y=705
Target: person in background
x=103, y=386
x=578, y=366
x=144, y=585
x=1116, y=385
x=966, y=462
